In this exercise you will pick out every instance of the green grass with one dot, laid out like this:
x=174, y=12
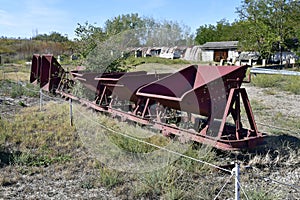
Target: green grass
x=279, y=82
x=14, y=89
x=171, y=180
x=29, y=159
x=41, y=138
x=110, y=178
x=259, y=195
x=46, y=138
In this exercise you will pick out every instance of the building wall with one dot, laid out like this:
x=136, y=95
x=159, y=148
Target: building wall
x=232, y=54
x=207, y=55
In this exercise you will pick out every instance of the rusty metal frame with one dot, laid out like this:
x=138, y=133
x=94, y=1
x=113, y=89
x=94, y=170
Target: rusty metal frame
x=51, y=76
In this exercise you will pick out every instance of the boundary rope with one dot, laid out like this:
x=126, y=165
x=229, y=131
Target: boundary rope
x=223, y=187
x=296, y=187
x=156, y=146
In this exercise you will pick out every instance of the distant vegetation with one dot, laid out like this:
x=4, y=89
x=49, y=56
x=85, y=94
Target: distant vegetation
x=53, y=37
x=12, y=50
x=262, y=26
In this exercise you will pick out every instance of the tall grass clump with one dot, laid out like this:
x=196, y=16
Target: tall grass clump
x=266, y=81
x=279, y=82
x=293, y=85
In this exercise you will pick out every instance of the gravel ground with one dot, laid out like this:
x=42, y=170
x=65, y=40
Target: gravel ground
x=286, y=103
x=72, y=180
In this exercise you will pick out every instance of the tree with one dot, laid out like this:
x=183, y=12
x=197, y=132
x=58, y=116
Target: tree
x=222, y=31
x=123, y=23
x=87, y=37
x=205, y=33
x=102, y=48
x=54, y=37
x=270, y=24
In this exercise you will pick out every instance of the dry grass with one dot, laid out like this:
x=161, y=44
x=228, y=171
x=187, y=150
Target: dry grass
x=15, y=72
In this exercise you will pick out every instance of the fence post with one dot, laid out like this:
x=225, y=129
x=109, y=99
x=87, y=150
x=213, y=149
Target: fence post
x=237, y=181
x=71, y=112
x=41, y=99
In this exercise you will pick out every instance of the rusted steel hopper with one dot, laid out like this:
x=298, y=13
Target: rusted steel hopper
x=35, y=69
x=203, y=96
x=86, y=78
x=210, y=91
x=117, y=93
x=107, y=82
x=46, y=71
x=124, y=87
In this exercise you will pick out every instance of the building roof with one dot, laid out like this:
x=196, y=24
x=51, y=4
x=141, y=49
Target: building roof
x=220, y=45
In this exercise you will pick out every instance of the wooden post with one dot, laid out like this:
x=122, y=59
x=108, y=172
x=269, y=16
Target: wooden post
x=41, y=99
x=237, y=181
x=71, y=112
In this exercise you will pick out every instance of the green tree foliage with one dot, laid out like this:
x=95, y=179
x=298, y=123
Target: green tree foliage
x=271, y=24
x=222, y=31
x=54, y=37
x=123, y=23
x=87, y=37
x=166, y=33
x=105, y=48
x=6, y=46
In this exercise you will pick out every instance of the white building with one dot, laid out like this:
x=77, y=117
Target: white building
x=215, y=51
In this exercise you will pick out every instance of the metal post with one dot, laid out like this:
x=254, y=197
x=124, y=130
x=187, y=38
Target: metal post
x=71, y=112
x=237, y=181
x=41, y=99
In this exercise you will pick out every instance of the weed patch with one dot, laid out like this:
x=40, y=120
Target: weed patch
x=280, y=82
x=41, y=138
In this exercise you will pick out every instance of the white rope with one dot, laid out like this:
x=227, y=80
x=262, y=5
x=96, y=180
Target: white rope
x=159, y=147
x=276, y=127
x=279, y=128
x=281, y=183
x=223, y=187
x=49, y=97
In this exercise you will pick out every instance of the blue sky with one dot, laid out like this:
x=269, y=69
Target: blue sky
x=22, y=18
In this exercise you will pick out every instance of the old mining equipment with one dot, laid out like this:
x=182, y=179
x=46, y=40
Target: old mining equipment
x=194, y=103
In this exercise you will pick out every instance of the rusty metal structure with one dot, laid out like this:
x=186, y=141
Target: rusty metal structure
x=46, y=71
x=197, y=103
